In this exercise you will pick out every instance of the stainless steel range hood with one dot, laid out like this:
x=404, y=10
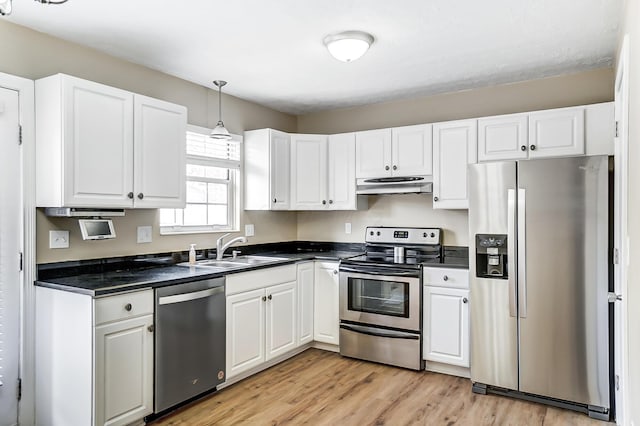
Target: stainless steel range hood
x=395, y=185
x=82, y=212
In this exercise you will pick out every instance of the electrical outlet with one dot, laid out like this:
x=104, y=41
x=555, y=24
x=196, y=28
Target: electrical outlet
x=347, y=227
x=249, y=230
x=58, y=239
x=144, y=234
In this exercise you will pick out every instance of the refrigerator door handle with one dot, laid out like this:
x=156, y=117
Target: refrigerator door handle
x=522, y=253
x=511, y=251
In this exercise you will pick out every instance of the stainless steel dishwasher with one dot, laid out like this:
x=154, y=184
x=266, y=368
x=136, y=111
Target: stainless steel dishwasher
x=190, y=341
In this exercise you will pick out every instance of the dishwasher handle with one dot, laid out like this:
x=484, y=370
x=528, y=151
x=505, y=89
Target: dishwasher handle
x=184, y=297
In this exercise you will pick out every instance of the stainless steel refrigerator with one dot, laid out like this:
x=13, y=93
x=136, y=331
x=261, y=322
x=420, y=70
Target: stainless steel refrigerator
x=539, y=280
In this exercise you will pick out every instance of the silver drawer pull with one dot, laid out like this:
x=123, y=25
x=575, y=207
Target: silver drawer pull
x=446, y=278
x=128, y=307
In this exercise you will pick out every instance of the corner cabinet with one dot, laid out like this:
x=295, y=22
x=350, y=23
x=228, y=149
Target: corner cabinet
x=454, y=147
x=326, y=317
x=94, y=358
x=323, y=173
x=98, y=146
x=266, y=170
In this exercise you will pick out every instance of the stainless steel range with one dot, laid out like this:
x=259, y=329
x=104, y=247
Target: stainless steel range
x=380, y=296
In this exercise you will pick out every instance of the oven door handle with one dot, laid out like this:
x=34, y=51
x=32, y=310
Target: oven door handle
x=380, y=332
x=388, y=273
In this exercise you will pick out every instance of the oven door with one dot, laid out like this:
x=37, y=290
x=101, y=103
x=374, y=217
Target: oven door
x=380, y=297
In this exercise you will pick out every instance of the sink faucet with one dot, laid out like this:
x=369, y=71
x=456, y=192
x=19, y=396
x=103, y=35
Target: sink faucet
x=220, y=247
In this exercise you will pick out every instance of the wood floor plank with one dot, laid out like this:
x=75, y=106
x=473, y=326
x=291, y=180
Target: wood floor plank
x=322, y=388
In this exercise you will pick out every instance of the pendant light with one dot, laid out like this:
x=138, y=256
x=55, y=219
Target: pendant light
x=220, y=132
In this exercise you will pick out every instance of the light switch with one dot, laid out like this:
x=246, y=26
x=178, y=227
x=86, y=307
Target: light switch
x=58, y=239
x=347, y=227
x=249, y=230
x=144, y=234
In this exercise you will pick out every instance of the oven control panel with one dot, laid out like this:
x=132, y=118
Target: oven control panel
x=383, y=234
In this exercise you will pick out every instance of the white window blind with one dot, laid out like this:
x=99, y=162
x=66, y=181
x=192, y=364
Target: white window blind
x=212, y=172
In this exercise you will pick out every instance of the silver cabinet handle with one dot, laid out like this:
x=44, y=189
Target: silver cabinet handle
x=395, y=167
x=151, y=328
x=141, y=195
x=446, y=278
x=270, y=297
x=335, y=272
x=532, y=147
x=264, y=298
x=128, y=307
x=130, y=195
x=330, y=201
x=511, y=251
x=275, y=200
x=465, y=300
x=435, y=198
x=523, y=148
x=324, y=201
x=386, y=167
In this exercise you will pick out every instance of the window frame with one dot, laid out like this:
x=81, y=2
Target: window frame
x=234, y=189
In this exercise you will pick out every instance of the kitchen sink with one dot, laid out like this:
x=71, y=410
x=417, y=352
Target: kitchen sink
x=253, y=260
x=236, y=262
x=225, y=264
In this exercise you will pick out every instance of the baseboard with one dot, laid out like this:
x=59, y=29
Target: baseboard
x=452, y=370
x=325, y=346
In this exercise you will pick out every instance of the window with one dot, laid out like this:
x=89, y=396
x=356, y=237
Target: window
x=213, y=169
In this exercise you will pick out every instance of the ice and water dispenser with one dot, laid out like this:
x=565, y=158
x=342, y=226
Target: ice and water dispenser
x=491, y=256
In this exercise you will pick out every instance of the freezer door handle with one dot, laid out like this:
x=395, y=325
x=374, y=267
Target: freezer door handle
x=522, y=253
x=511, y=251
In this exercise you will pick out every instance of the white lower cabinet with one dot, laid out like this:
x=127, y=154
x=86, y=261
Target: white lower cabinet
x=262, y=317
x=446, y=325
x=94, y=358
x=305, y=302
x=326, y=319
x=446, y=320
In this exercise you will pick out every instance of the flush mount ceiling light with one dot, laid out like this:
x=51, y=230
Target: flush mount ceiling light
x=220, y=132
x=348, y=46
x=5, y=5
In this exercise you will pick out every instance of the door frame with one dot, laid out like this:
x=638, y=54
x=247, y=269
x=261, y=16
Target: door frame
x=621, y=239
x=26, y=93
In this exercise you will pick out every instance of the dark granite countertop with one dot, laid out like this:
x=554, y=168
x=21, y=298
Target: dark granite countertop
x=117, y=275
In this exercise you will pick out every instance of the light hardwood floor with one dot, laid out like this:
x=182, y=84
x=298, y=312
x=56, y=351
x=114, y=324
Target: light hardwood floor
x=323, y=388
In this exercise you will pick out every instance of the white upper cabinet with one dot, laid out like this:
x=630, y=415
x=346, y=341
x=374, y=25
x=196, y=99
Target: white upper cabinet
x=454, y=147
x=341, y=186
x=412, y=151
x=92, y=143
x=160, y=153
x=503, y=137
x=323, y=172
x=556, y=133
x=267, y=170
x=373, y=153
x=401, y=151
x=308, y=172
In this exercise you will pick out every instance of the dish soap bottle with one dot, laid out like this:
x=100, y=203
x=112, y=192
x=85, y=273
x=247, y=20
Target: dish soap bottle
x=192, y=254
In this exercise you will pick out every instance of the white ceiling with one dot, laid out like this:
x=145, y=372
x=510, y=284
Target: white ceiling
x=271, y=52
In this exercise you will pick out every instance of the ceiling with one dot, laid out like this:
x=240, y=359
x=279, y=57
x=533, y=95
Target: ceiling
x=271, y=52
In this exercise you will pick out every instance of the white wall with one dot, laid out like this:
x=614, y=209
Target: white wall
x=631, y=26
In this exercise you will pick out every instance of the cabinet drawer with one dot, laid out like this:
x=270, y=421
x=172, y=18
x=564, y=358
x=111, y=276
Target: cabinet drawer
x=443, y=277
x=122, y=306
x=260, y=278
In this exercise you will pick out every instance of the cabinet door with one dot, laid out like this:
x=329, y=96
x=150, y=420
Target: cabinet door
x=305, y=303
x=308, y=172
x=373, y=153
x=503, y=137
x=412, y=151
x=98, y=144
x=281, y=324
x=556, y=133
x=342, y=172
x=124, y=371
x=159, y=153
x=280, y=170
x=446, y=325
x=454, y=147
x=245, y=331
x=326, y=320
